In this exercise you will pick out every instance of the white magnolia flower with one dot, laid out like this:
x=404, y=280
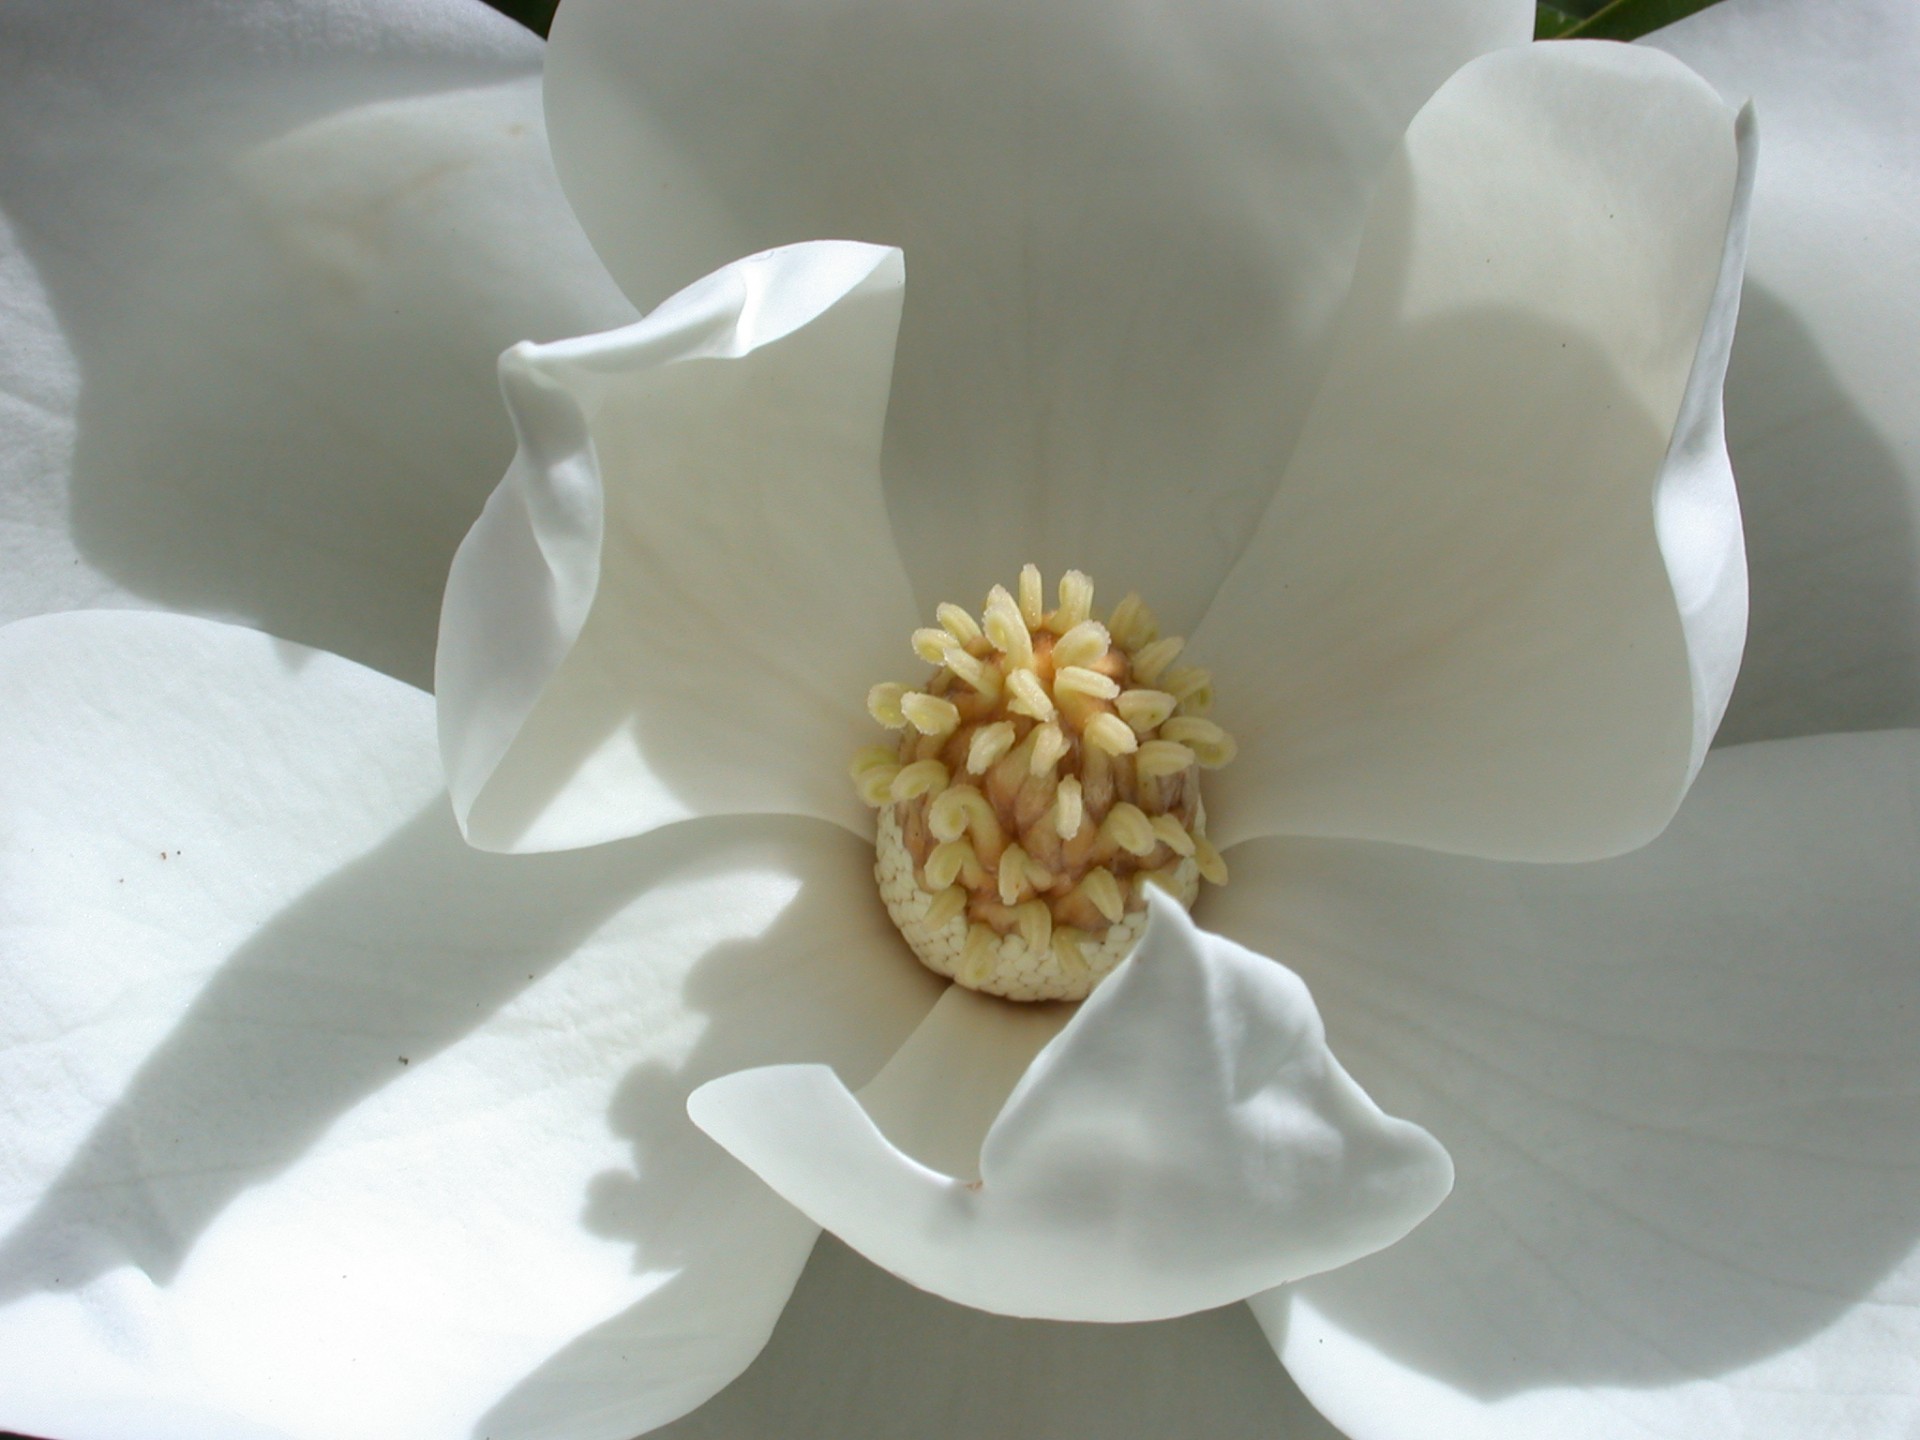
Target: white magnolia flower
x=320, y=1123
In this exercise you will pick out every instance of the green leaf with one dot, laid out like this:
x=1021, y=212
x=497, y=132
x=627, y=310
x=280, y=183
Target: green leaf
x=536, y=15
x=1549, y=22
x=1630, y=19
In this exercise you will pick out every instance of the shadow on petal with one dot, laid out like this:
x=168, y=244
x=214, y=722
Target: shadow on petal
x=1834, y=640
x=285, y=282
x=861, y=1353
x=1123, y=249
x=1461, y=632
x=829, y=982
x=1679, y=1087
x=398, y=954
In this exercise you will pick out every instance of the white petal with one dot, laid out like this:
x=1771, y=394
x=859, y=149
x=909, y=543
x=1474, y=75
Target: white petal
x=1498, y=601
x=325, y=1125
x=1823, y=396
x=1128, y=226
x=256, y=264
x=677, y=599
x=1186, y=1134
x=1680, y=1089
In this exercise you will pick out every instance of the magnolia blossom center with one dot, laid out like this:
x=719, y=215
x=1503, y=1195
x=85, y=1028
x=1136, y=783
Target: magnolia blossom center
x=1046, y=773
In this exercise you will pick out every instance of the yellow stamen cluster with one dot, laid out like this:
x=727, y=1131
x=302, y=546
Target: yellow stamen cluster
x=1043, y=777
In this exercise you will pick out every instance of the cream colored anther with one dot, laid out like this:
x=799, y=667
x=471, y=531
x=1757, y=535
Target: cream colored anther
x=1183, y=680
x=883, y=704
x=951, y=861
x=929, y=714
x=1015, y=874
x=1172, y=834
x=981, y=676
x=989, y=743
x=931, y=645
x=1104, y=894
x=942, y=909
x=1112, y=734
x=1007, y=629
x=922, y=777
x=1049, y=747
x=962, y=810
x=1144, y=710
x=1035, y=921
x=1069, y=808
x=1159, y=758
x=1212, y=867
x=1128, y=827
x=1210, y=744
x=1132, y=623
x=957, y=622
x=1076, y=602
x=874, y=784
x=1030, y=697
x=1068, y=948
x=1085, y=643
x=1033, y=597
x=1077, y=680
x=978, y=956
x=1150, y=660
x=1191, y=686
x=868, y=756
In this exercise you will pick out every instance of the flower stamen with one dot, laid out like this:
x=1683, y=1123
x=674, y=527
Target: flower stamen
x=1040, y=780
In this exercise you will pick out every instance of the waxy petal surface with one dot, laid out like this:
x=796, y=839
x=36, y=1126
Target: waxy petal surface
x=1823, y=396
x=317, y=1123
x=1128, y=226
x=677, y=599
x=1497, y=604
x=257, y=261
x=1185, y=1134
x=1680, y=1088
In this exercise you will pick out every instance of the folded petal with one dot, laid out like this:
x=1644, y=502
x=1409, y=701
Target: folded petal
x=1497, y=604
x=1129, y=226
x=678, y=598
x=315, y=1122
x=256, y=264
x=1823, y=396
x=1680, y=1089
x=1186, y=1134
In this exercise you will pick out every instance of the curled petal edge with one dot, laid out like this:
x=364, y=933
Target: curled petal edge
x=1185, y=1141
x=741, y=418
x=1466, y=643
